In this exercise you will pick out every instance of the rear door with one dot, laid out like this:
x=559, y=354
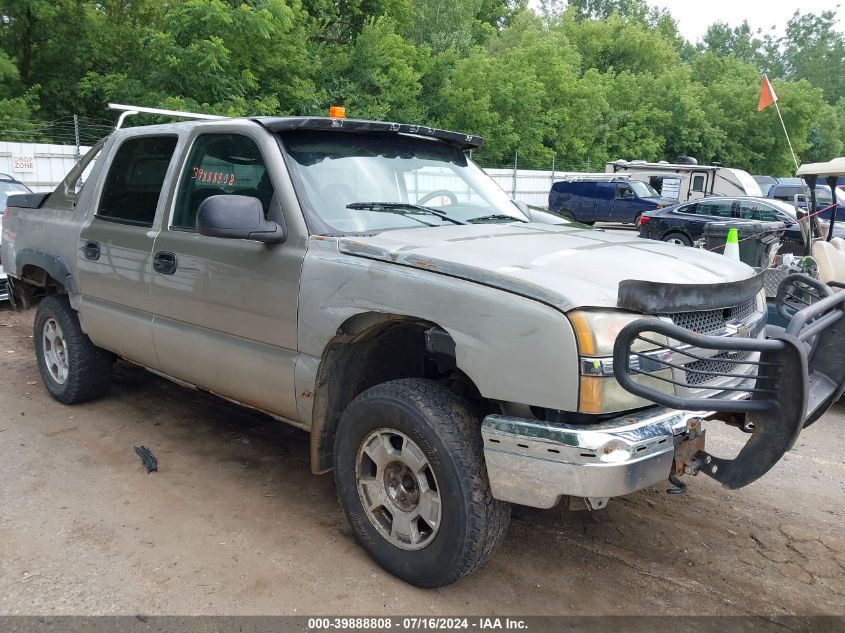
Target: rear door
x=584, y=201
x=226, y=309
x=603, y=201
x=115, y=246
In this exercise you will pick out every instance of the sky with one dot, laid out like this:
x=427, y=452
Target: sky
x=693, y=16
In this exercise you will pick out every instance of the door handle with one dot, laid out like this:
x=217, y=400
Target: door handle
x=91, y=250
x=164, y=262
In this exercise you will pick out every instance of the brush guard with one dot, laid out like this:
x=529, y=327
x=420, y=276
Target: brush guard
x=793, y=376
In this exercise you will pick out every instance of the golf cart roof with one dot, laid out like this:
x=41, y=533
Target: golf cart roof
x=835, y=167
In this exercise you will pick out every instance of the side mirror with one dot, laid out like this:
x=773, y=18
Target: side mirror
x=237, y=217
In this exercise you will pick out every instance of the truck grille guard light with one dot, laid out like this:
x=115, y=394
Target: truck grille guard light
x=781, y=383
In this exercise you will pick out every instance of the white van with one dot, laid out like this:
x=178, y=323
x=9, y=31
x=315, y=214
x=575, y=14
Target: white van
x=685, y=182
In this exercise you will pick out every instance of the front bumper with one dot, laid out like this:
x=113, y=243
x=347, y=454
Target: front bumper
x=781, y=385
x=535, y=463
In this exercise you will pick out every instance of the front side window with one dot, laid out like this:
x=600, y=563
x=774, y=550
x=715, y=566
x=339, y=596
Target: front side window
x=363, y=183
x=221, y=164
x=757, y=211
x=135, y=180
x=623, y=192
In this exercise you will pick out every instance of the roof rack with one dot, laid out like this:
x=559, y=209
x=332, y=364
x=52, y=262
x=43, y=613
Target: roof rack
x=130, y=110
x=598, y=176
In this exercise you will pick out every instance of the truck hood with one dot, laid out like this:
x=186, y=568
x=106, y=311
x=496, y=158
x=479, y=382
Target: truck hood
x=561, y=265
x=661, y=201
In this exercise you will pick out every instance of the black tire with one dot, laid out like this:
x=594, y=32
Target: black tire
x=88, y=367
x=680, y=237
x=445, y=428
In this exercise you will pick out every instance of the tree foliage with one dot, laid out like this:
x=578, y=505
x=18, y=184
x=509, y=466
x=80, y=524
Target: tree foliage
x=577, y=82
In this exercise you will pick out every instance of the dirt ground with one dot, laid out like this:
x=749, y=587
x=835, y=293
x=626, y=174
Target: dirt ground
x=234, y=522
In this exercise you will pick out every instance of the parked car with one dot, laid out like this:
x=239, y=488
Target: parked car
x=599, y=198
x=684, y=223
x=9, y=186
x=4, y=285
x=366, y=282
x=787, y=192
x=765, y=183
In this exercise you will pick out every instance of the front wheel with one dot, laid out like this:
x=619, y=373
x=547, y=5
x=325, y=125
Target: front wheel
x=72, y=367
x=411, y=478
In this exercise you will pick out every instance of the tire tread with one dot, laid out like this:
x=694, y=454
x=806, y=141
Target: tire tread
x=90, y=367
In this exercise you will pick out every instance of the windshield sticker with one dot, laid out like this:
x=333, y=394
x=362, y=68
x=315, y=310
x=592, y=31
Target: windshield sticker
x=216, y=177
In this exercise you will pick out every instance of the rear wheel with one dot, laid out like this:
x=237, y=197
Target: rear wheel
x=411, y=479
x=72, y=367
x=677, y=238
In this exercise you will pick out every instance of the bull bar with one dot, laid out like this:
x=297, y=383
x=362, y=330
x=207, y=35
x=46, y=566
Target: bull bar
x=798, y=372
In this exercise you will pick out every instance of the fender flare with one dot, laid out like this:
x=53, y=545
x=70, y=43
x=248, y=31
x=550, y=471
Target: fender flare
x=54, y=264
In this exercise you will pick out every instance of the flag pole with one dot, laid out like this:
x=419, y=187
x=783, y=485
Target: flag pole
x=786, y=134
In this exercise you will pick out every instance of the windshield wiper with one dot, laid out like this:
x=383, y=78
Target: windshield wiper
x=402, y=208
x=495, y=216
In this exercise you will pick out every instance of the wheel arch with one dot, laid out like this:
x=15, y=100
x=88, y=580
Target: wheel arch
x=41, y=270
x=370, y=348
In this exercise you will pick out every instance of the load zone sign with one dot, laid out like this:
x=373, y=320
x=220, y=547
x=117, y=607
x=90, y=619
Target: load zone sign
x=23, y=163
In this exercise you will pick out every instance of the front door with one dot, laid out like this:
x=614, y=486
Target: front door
x=226, y=309
x=115, y=245
x=624, y=203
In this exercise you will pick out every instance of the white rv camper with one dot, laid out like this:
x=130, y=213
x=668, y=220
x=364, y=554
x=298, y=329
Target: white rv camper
x=688, y=181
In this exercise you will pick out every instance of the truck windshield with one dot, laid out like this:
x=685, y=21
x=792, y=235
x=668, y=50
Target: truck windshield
x=364, y=183
x=643, y=190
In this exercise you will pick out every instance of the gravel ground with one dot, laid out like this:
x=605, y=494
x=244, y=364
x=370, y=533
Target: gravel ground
x=234, y=522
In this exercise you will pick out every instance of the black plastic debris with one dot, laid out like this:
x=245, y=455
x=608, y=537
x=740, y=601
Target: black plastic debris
x=147, y=458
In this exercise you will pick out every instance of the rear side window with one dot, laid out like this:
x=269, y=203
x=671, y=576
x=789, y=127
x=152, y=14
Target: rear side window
x=715, y=208
x=221, y=164
x=135, y=180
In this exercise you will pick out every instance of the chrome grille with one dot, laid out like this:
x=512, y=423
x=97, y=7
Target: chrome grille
x=721, y=363
x=713, y=321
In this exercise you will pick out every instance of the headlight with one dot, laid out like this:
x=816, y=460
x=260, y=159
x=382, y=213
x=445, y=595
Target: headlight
x=597, y=330
x=599, y=392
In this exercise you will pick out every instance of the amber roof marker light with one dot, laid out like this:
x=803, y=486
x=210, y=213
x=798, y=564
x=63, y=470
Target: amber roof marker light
x=337, y=112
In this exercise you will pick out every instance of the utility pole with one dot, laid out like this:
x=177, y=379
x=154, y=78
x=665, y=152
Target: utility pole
x=76, y=136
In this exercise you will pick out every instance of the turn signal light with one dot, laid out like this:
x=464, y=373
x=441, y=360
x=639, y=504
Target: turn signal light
x=337, y=112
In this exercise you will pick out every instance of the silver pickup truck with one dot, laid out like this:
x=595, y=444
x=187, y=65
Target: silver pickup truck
x=450, y=351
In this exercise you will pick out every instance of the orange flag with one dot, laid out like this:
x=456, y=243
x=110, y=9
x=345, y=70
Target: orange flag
x=767, y=94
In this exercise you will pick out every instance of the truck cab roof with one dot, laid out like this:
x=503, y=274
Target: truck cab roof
x=282, y=124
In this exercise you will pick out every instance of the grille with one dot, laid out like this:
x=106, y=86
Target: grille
x=713, y=321
x=721, y=363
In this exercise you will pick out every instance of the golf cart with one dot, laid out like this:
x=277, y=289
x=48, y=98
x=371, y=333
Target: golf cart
x=802, y=281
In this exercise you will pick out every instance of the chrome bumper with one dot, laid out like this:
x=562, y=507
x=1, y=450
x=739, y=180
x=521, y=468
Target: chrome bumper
x=535, y=463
